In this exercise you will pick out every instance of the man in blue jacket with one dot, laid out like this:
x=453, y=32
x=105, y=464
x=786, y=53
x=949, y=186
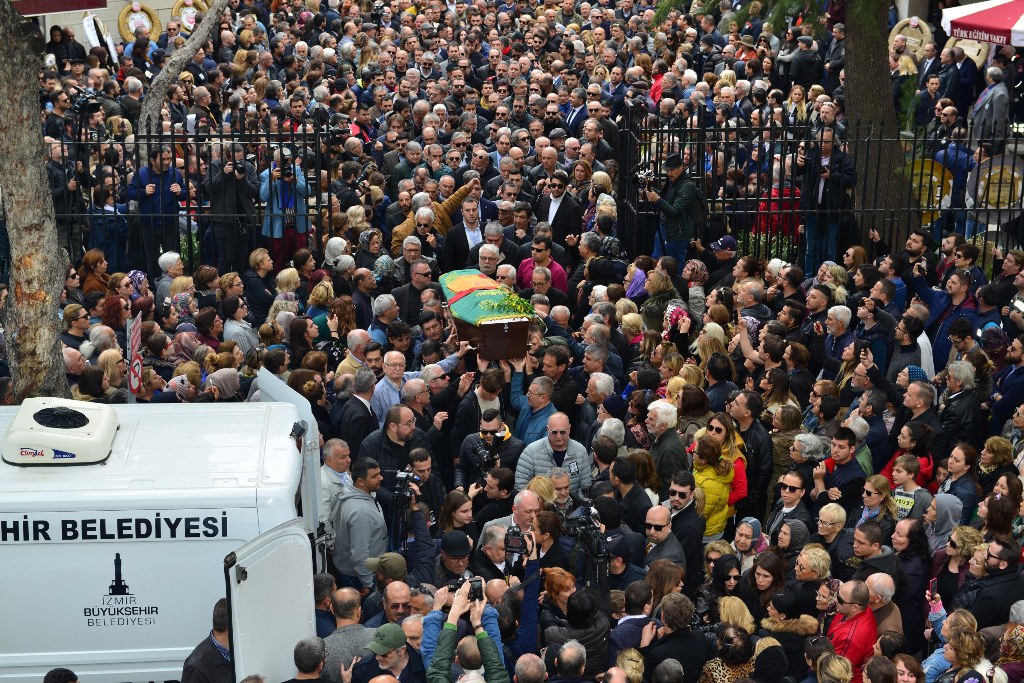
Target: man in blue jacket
x=945, y=307
x=158, y=188
x=534, y=406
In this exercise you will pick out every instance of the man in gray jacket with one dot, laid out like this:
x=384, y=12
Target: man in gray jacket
x=359, y=526
x=350, y=638
x=558, y=450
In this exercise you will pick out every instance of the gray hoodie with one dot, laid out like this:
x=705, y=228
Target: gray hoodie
x=360, y=533
x=948, y=509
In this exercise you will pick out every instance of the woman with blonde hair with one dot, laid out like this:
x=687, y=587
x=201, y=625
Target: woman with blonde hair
x=715, y=475
x=114, y=366
x=995, y=460
x=602, y=181
x=726, y=78
x=659, y=287
x=183, y=284
x=632, y=662
x=356, y=220
x=710, y=340
x=796, y=106
x=544, y=489
x=732, y=610
x=287, y=281
x=878, y=506
x=833, y=668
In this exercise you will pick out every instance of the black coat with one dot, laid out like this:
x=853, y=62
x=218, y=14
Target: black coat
x=999, y=591
x=367, y=669
x=594, y=637
x=353, y=421
x=960, y=416
x=689, y=527
x=690, y=649
x=792, y=634
x=206, y=665
x=634, y=505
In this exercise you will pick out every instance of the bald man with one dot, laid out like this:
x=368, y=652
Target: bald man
x=662, y=543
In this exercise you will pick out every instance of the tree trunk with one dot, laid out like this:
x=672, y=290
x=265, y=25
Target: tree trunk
x=882, y=184
x=149, y=117
x=37, y=265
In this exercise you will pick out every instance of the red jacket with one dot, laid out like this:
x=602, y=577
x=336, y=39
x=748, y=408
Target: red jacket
x=923, y=477
x=854, y=638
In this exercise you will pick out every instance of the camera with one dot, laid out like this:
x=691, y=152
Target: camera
x=487, y=458
x=515, y=541
x=403, y=492
x=377, y=12
x=476, y=587
x=1019, y=305
x=645, y=178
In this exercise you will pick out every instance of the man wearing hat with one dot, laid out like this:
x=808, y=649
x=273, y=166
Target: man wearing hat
x=390, y=655
x=805, y=69
x=678, y=203
x=621, y=572
x=453, y=561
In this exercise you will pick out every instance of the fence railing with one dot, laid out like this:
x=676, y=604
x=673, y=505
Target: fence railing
x=757, y=189
x=101, y=169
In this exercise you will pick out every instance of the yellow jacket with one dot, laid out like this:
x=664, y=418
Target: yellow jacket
x=442, y=218
x=716, y=489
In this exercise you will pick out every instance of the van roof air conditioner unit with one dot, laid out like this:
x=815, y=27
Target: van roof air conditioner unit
x=59, y=432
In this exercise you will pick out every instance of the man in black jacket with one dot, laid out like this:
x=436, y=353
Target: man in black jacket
x=233, y=188
x=492, y=446
x=746, y=410
x=210, y=661
x=828, y=175
x=1003, y=585
x=353, y=420
x=677, y=641
x=632, y=498
x=689, y=526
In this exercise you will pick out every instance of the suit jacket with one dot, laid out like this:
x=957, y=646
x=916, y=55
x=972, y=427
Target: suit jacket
x=408, y=299
x=967, y=86
x=456, y=247
x=353, y=422
x=1009, y=383
x=991, y=114
x=689, y=528
x=568, y=219
x=574, y=120
x=927, y=69
x=670, y=549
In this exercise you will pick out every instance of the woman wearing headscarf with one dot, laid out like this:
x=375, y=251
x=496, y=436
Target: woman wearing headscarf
x=186, y=307
x=793, y=536
x=225, y=384
x=827, y=603
x=384, y=269
x=369, y=248
x=185, y=345
x=943, y=514
x=790, y=628
x=770, y=661
x=1011, y=654
x=181, y=389
x=695, y=274
x=140, y=285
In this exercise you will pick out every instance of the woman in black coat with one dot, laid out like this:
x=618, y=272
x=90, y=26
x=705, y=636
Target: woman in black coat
x=786, y=624
x=911, y=545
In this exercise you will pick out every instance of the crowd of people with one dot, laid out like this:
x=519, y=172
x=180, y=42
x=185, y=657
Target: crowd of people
x=704, y=467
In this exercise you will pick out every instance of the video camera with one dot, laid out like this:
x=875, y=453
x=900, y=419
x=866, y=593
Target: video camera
x=403, y=492
x=646, y=178
x=584, y=524
x=377, y=12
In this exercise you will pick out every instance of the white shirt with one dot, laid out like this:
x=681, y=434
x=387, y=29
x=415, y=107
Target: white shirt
x=553, y=209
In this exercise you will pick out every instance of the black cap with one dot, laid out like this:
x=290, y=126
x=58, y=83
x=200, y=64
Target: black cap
x=707, y=39
x=674, y=161
x=805, y=40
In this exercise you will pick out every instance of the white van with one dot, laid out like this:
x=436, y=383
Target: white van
x=121, y=526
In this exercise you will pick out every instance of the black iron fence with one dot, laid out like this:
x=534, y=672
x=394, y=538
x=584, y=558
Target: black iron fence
x=136, y=196
x=764, y=186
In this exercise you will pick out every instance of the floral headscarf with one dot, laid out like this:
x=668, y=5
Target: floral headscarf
x=383, y=267
x=1011, y=647
x=674, y=312
x=137, y=277
x=182, y=388
x=698, y=272
x=833, y=603
x=182, y=303
x=365, y=236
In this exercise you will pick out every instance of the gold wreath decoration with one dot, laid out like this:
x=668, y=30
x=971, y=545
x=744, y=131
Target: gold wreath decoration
x=127, y=32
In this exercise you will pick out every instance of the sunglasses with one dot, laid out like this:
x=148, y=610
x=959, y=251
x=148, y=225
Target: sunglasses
x=953, y=544
x=491, y=432
x=733, y=577
x=558, y=431
x=716, y=430
x=672, y=493
x=656, y=527
x=789, y=489
x=868, y=493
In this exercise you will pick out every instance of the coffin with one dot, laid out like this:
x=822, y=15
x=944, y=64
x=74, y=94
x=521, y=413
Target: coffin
x=488, y=315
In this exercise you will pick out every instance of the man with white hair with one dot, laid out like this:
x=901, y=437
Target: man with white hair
x=385, y=311
x=667, y=449
x=506, y=275
x=388, y=391
x=881, y=589
x=837, y=324
x=488, y=259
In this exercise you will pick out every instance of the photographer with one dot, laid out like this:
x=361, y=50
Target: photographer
x=490, y=560
x=492, y=446
x=233, y=186
x=441, y=632
x=347, y=189
x=499, y=485
x=678, y=202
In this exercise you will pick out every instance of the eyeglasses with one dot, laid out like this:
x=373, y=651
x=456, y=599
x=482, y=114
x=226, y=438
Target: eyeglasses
x=868, y=493
x=789, y=489
x=673, y=493
x=399, y=605
x=490, y=432
x=656, y=527
x=556, y=186
x=426, y=274
x=423, y=225
x=558, y=431
x=990, y=556
x=479, y=156
x=822, y=522
x=395, y=365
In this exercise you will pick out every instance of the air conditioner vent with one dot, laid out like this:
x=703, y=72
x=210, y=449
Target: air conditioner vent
x=61, y=418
